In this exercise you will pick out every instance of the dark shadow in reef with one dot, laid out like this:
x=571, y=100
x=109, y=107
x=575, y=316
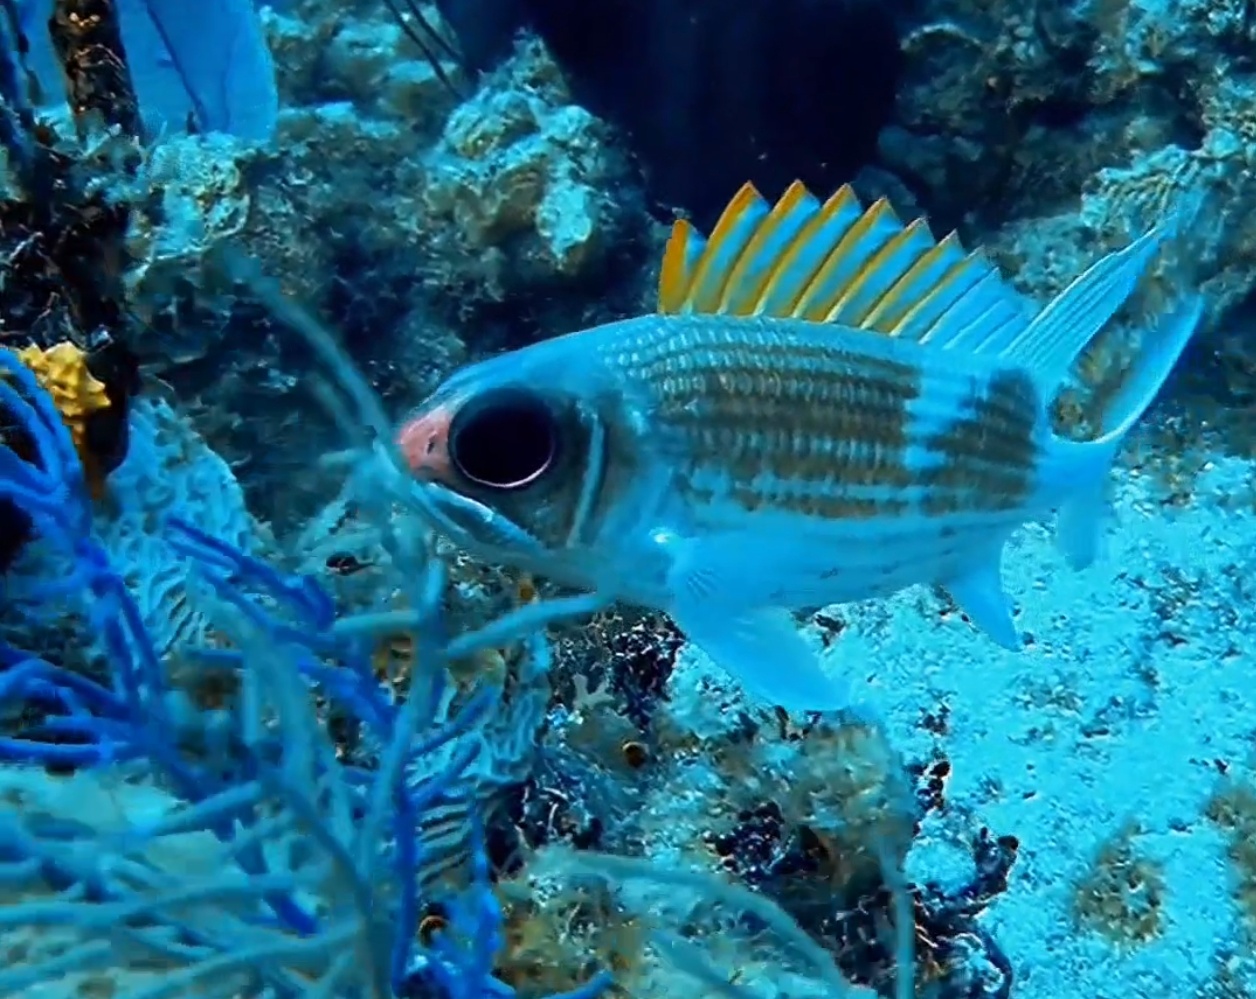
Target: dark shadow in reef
x=713, y=93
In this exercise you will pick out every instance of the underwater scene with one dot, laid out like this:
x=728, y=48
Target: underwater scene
x=506, y=499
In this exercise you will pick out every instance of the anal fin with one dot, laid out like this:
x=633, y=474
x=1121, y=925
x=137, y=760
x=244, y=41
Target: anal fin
x=979, y=593
x=1080, y=523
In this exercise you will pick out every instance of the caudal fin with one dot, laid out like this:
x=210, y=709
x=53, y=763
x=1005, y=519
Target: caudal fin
x=1088, y=463
x=1159, y=351
x=1050, y=345
x=1048, y=349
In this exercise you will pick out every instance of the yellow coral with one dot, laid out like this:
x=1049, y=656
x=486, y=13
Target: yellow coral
x=63, y=373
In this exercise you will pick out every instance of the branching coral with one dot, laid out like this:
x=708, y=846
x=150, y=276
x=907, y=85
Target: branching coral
x=326, y=850
x=60, y=243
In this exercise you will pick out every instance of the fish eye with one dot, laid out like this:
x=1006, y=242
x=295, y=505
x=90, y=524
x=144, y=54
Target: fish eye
x=506, y=441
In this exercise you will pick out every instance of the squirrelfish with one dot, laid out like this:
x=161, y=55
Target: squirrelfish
x=827, y=406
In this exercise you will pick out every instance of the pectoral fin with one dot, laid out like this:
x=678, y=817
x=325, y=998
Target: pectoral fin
x=764, y=652
x=759, y=646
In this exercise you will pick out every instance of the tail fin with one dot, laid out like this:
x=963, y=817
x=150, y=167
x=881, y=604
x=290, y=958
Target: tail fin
x=1157, y=355
x=1060, y=332
x=1078, y=530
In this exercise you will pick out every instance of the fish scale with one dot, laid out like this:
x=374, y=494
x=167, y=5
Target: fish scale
x=777, y=416
x=826, y=406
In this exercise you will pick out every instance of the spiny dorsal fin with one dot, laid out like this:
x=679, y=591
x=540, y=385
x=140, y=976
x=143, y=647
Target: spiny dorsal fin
x=837, y=263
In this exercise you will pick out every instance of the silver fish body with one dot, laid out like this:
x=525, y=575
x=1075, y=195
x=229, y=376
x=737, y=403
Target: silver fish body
x=835, y=445
x=731, y=468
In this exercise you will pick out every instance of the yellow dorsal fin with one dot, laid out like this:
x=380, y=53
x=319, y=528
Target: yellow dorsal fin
x=776, y=234
x=684, y=246
x=835, y=262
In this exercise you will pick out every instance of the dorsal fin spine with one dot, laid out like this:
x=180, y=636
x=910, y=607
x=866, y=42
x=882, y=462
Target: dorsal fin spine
x=930, y=269
x=802, y=261
x=902, y=250
x=926, y=316
x=974, y=303
x=762, y=254
x=723, y=248
x=684, y=246
x=869, y=233
x=995, y=338
x=838, y=263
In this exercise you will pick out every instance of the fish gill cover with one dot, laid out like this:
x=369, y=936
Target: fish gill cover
x=263, y=735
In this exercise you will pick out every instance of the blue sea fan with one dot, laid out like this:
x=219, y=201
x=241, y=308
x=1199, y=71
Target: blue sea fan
x=273, y=867
x=168, y=469
x=219, y=56
x=207, y=63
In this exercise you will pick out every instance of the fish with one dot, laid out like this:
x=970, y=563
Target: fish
x=827, y=405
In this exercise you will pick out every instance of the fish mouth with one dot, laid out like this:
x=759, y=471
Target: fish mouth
x=445, y=510
x=471, y=525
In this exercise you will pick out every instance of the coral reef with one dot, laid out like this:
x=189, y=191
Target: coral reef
x=1053, y=130
x=339, y=755
x=523, y=166
x=710, y=94
x=168, y=471
x=62, y=252
x=87, y=38
x=428, y=227
x=425, y=224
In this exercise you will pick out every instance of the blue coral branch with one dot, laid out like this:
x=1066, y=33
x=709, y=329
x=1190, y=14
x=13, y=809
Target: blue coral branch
x=302, y=595
x=51, y=489
x=227, y=568
x=93, y=725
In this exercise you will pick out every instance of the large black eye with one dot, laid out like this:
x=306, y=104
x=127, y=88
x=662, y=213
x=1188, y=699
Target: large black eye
x=505, y=441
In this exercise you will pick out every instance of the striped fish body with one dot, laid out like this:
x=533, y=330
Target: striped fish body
x=827, y=406
x=839, y=464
